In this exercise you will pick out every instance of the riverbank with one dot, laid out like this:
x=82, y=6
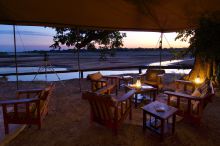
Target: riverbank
x=65, y=63
x=89, y=59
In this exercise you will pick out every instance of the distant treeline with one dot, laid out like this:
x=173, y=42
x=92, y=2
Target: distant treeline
x=171, y=50
x=118, y=49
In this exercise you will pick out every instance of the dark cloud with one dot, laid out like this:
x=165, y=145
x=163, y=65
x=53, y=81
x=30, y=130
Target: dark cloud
x=24, y=32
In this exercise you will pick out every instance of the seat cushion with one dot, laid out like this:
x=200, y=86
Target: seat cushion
x=98, y=85
x=151, y=74
x=196, y=93
x=204, y=88
x=153, y=83
x=95, y=76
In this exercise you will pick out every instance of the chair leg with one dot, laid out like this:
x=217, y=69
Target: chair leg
x=39, y=124
x=6, y=128
x=115, y=131
x=130, y=114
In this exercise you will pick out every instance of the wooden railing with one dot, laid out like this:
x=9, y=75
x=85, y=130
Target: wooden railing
x=139, y=68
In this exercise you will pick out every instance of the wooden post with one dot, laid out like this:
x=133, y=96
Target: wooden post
x=15, y=57
x=160, y=47
x=140, y=70
x=81, y=74
x=78, y=58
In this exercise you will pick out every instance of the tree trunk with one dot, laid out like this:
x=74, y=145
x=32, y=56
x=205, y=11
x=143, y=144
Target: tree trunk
x=204, y=68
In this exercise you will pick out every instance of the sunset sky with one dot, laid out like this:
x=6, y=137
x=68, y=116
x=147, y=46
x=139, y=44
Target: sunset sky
x=33, y=38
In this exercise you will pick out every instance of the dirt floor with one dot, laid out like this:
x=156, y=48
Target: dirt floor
x=68, y=124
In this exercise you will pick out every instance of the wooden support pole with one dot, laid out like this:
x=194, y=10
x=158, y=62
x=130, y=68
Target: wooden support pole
x=140, y=70
x=160, y=47
x=15, y=57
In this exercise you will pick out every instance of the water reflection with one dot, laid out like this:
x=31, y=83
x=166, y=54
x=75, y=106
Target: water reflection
x=74, y=75
x=166, y=63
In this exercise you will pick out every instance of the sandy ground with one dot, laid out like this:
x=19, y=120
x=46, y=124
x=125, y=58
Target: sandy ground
x=68, y=124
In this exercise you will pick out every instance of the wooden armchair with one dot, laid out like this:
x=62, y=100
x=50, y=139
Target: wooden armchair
x=153, y=77
x=107, y=110
x=30, y=107
x=99, y=81
x=192, y=106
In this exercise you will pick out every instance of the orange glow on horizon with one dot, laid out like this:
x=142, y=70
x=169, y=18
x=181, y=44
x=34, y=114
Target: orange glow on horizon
x=150, y=40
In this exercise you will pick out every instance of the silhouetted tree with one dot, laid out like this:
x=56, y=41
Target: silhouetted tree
x=84, y=38
x=205, y=47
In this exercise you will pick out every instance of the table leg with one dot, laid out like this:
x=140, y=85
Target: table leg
x=135, y=100
x=174, y=123
x=154, y=95
x=144, y=120
x=162, y=130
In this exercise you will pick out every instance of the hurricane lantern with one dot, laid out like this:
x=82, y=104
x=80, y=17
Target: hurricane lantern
x=138, y=84
x=197, y=80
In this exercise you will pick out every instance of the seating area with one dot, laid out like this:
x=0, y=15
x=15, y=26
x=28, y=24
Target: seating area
x=68, y=113
x=188, y=105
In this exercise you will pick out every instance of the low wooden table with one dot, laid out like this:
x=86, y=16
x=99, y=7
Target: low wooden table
x=158, y=120
x=140, y=93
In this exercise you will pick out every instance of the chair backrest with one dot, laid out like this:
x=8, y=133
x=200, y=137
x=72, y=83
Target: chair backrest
x=96, y=82
x=207, y=91
x=151, y=74
x=102, y=106
x=45, y=95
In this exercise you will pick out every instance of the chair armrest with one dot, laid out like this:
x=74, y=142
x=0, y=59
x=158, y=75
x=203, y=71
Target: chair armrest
x=160, y=75
x=142, y=74
x=30, y=90
x=182, y=95
x=112, y=77
x=126, y=96
x=101, y=80
x=106, y=89
x=184, y=82
x=18, y=101
x=160, y=78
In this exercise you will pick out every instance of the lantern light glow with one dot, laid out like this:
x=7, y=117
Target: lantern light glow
x=138, y=84
x=197, y=80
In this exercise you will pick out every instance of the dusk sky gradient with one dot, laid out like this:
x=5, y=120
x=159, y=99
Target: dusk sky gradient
x=40, y=38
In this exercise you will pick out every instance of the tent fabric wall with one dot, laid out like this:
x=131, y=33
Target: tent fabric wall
x=142, y=15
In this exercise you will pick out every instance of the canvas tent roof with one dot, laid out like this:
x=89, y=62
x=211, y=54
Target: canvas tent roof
x=144, y=15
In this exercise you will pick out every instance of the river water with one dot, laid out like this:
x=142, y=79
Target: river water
x=74, y=75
